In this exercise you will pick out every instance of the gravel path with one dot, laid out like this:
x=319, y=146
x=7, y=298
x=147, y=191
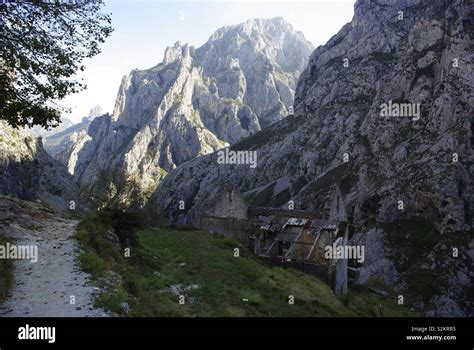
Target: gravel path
x=44, y=288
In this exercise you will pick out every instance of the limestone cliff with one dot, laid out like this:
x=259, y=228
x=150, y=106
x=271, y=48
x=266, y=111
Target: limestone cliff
x=194, y=102
x=65, y=145
x=411, y=171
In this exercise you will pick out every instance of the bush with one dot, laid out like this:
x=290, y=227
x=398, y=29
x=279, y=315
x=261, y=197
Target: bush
x=93, y=264
x=112, y=301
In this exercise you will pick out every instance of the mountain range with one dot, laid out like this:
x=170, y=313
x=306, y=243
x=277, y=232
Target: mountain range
x=196, y=101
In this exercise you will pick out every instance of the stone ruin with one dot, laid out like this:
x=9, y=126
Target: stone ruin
x=281, y=237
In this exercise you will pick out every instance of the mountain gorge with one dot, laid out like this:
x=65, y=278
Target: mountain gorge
x=406, y=179
x=383, y=112
x=196, y=101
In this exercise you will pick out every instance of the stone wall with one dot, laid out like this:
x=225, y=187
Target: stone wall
x=254, y=212
x=238, y=229
x=230, y=204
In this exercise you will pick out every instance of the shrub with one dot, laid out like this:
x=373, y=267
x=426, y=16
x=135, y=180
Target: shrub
x=93, y=264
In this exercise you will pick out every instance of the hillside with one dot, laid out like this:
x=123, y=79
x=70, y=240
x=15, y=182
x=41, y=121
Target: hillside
x=201, y=266
x=412, y=172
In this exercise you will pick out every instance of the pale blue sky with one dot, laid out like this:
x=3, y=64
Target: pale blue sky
x=144, y=28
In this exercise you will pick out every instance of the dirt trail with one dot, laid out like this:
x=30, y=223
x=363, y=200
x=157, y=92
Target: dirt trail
x=44, y=288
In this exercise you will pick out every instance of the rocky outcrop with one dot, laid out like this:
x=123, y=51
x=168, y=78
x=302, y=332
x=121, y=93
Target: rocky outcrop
x=61, y=141
x=407, y=167
x=28, y=172
x=197, y=100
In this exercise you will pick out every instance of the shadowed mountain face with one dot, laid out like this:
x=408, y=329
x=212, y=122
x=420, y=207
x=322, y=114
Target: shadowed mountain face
x=193, y=103
x=28, y=172
x=384, y=110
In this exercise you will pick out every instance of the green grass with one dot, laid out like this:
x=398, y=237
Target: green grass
x=6, y=274
x=367, y=304
x=169, y=258
x=92, y=263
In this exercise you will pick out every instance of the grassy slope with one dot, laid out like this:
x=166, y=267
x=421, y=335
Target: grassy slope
x=169, y=257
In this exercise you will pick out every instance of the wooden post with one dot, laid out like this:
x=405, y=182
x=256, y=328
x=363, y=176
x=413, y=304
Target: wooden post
x=340, y=287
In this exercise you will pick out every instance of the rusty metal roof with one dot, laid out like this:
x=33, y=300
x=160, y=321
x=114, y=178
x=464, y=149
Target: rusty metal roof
x=296, y=222
x=271, y=227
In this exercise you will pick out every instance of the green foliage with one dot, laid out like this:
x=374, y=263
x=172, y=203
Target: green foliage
x=99, y=252
x=92, y=263
x=43, y=45
x=111, y=301
x=177, y=99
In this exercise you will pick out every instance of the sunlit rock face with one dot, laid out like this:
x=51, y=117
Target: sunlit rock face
x=385, y=110
x=194, y=102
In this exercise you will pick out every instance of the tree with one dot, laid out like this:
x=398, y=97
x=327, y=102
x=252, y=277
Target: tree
x=43, y=44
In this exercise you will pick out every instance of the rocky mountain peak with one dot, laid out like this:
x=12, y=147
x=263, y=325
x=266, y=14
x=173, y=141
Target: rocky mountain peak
x=177, y=52
x=194, y=102
x=257, y=27
x=274, y=38
x=94, y=112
